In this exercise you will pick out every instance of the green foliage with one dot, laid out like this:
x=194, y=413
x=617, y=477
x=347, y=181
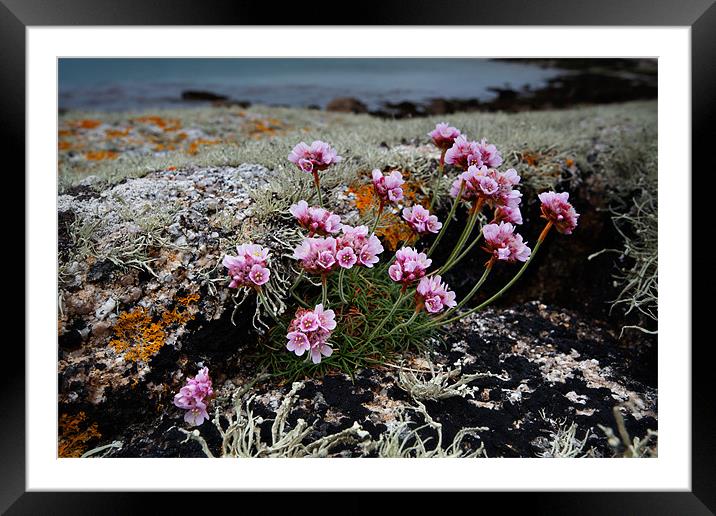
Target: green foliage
x=370, y=295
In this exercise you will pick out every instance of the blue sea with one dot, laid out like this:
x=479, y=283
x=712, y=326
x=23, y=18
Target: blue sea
x=114, y=84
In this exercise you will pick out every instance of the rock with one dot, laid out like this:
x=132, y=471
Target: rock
x=346, y=105
x=106, y=309
x=202, y=95
x=101, y=329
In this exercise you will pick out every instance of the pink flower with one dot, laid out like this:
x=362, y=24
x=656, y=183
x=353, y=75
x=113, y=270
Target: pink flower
x=319, y=156
x=309, y=331
x=366, y=248
x=420, y=220
x=317, y=254
x=557, y=209
x=192, y=397
x=249, y=267
x=508, y=214
x=487, y=184
x=317, y=221
x=503, y=243
x=463, y=153
x=346, y=257
x=434, y=294
x=409, y=266
x=489, y=155
x=443, y=135
x=388, y=187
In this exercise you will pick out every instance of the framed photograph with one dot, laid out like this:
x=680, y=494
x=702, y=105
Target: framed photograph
x=315, y=257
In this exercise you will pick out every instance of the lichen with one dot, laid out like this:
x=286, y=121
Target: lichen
x=74, y=434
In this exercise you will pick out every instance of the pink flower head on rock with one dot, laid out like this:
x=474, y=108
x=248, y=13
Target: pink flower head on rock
x=434, y=295
x=420, y=220
x=444, y=136
x=503, y=243
x=463, y=153
x=318, y=221
x=388, y=187
x=409, y=266
x=317, y=254
x=557, y=209
x=365, y=248
x=249, y=267
x=193, y=397
x=488, y=185
x=309, y=331
x=318, y=156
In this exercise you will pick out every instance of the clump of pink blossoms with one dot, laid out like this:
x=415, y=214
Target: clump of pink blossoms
x=557, y=210
x=510, y=214
x=409, y=266
x=309, y=331
x=193, y=397
x=389, y=188
x=420, y=220
x=318, y=156
x=353, y=247
x=489, y=186
x=444, y=135
x=503, y=243
x=318, y=221
x=249, y=267
x=434, y=295
x=464, y=154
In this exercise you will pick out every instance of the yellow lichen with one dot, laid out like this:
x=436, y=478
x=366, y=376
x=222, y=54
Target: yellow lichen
x=100, y=155
x=74, y=434
x=139, y=337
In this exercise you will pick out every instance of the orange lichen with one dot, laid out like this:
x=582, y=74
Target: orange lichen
x=394, y=231
x=116, y=133
x=137, y=336
x=100, y=155
x=167, y=125
x=74, y=434
x=87, y=123
x=265, y=127
x=180, y=314
x=193, y=147
x=569, y=162
x=64, y=145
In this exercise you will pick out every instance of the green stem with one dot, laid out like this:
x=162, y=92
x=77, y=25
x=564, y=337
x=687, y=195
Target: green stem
x=406, y=323
x=340, y=285
x=512, y=281
x=324, y=290
x=447, y=266
x=317, y=183
x=377, y=218
x=439, y=319
x=398, y=302
x=466, y=232
x=448, y=219
x=300, y=301
x=436, y=180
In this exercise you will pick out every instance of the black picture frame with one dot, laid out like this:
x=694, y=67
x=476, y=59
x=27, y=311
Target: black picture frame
x=700, y=15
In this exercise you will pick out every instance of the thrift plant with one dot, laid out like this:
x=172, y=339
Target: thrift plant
x=354, y=306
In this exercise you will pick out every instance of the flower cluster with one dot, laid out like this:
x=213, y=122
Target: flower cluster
x=388, y=187
x=353, y=246
x=489, y=185
x=193, y=397
x=434, y=295
x=557, y=209
x=420, y=220
x=248, y=268
x=318, y=156
x=503, y=243
x=510, y=214
x=309, y=331
x=318, y=221
x=464, y=154
x=409, y=266
x=444, y=136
